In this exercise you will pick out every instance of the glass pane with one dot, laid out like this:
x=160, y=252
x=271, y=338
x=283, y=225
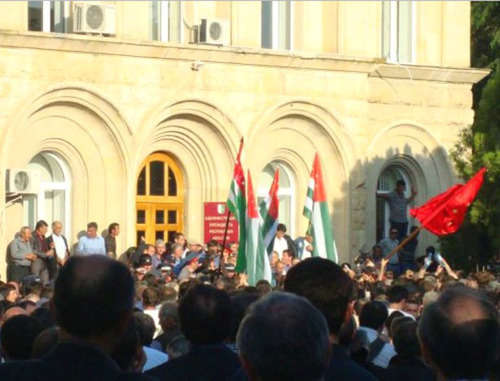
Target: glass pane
x=29, y=209
x=266, y=33
x=386, y=28
x=57, y=16
x=404, y=31
x=285, y=207
x=171, y=234
x=141, y=183
x=155, y=26
x=172, y=183
x=283, y=25
x=174, y=18
x=160, y=217
x=140, y=233
x=141, y=216
x=35, y=17
x=172, y=216
x=157, y=178
x=159, y=234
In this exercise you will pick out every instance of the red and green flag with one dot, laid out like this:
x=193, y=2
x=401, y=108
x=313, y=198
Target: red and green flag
x=257, y=260
x=316, y=211
x=237, y=205
x=269, y=211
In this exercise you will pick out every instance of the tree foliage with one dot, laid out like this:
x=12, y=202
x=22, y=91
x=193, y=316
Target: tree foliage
x=479, y=145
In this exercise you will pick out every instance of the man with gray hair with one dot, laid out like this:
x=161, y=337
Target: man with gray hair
x=283, y=337
x=157, y=258
x=169, y=322
x=20, y=256
x=459, y=335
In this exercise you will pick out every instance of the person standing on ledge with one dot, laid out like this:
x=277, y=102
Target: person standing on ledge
x=398, y=213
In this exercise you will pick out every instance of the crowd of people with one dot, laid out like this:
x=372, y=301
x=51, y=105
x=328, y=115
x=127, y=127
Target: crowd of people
x=178, y=310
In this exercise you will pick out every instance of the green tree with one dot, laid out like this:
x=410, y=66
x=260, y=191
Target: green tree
x=479, y=146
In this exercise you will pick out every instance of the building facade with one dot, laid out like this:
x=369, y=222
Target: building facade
x=132, y=112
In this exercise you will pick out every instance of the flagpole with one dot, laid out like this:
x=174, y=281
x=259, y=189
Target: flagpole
x=405, y=241
x=224, y=243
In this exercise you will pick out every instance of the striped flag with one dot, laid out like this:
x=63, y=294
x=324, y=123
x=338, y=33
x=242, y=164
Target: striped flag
x=237, y=205
x=316, y=211
x=269, y=211
x=258, y=265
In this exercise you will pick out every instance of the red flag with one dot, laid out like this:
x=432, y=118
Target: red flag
x=445, y=213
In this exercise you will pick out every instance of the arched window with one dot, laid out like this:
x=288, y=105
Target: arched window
x=387, y=183
x=52, y=202
x=286, y=192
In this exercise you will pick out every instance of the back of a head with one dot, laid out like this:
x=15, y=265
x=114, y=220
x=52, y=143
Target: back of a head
x=18, y=335
x=150, y=297
x=373, y=315
x=145, y=327
x=169, y=311
x=204, y=315
x=460, y=334
x=44, y=342
x=397, y=294
x=276, y=333
x=325, y=285
x=92, y=294
x=240, y=303
x=405, y=338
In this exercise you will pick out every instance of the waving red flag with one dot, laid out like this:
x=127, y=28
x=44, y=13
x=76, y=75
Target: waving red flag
x=445, y=213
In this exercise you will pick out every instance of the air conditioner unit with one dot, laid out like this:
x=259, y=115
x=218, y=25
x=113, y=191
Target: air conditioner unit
x=94, y=18
x=23, y=181
x=214, y=32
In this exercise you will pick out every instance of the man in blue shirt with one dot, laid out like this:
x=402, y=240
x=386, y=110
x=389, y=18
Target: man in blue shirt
x=91, y=243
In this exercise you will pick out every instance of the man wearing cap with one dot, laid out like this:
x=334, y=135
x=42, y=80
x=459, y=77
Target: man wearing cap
x=146, y=263
x=189, y=267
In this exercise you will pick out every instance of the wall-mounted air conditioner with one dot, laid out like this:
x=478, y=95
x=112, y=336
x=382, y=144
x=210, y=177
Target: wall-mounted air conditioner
x=94, y=18
x=23, y=181
x=212, y=31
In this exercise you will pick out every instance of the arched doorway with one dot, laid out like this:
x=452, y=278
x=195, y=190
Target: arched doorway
x=159, y=199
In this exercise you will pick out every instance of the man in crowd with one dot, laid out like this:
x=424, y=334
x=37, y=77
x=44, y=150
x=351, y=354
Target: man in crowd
x=21, y=256
x=281, y=241
x=202, y=313
x=304, y=246
x=90, y=243
x=459, y=336
x=179, y=239
x=272, y=344
x=387, y=244
x=93, y=303
x=398, y=209
x=397, y=297
x=110, y=239
x=60, y=245
x=329, y=289
x=169, y=322
x=189, y=267
x=159, y=253
x=287, y=258
x=42, y=251
x=175, y=257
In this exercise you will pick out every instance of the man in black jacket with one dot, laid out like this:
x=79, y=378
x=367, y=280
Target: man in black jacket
x=59, y=244
x=281, y=241
x=42, y=251
x=205, y=314
x=93, y=303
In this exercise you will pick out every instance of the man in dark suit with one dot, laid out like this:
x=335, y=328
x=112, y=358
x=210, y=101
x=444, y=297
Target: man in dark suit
x=93, y=301
x=59, y=244
x=42, y=251
x=205, y=315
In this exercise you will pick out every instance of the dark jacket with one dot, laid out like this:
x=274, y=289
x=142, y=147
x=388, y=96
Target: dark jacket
x=50, y=240
x=37, y=246
x=289, y=241
x=206, y=362
x=408, y=369
x=343, y=368
x=67, y=361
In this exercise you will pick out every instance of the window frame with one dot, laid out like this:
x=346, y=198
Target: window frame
x=393, y=55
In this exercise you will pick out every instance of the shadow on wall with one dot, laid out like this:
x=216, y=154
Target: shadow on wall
x=429, y=172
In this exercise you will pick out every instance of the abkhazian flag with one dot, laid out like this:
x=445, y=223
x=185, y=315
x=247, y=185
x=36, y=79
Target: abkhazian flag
x=237, y=205
x=269, y=211
x=316, y=211
x=258, y=265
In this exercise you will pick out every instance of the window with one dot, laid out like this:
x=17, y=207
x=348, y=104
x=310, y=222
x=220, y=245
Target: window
x=48, y=16
x=166, y=21
x=398, y=31
x=286, y=192
x=386, y=184
x=52, y=202
x=277, y=24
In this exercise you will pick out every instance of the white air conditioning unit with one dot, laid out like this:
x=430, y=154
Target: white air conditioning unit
x=214, y=32
x=23, y=181
x=94, y=18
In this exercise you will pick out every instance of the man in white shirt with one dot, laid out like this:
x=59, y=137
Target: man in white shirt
x=281, y=241
x=59, y=243
x=397, y=297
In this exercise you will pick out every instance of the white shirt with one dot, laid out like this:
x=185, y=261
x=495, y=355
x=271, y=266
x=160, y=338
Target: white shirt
x=280, y=244
x=60, y=246
x=156, y=318
x=406, y=314
x=385, y=355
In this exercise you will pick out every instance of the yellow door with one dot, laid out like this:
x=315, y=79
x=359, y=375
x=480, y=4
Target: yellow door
x=159, y=199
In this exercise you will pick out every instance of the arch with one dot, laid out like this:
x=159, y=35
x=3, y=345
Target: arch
x=416, y=149
x=292, y=132
x=204, y=141
x=90, y=133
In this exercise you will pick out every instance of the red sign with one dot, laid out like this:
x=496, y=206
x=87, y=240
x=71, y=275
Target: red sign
x=215, y=223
